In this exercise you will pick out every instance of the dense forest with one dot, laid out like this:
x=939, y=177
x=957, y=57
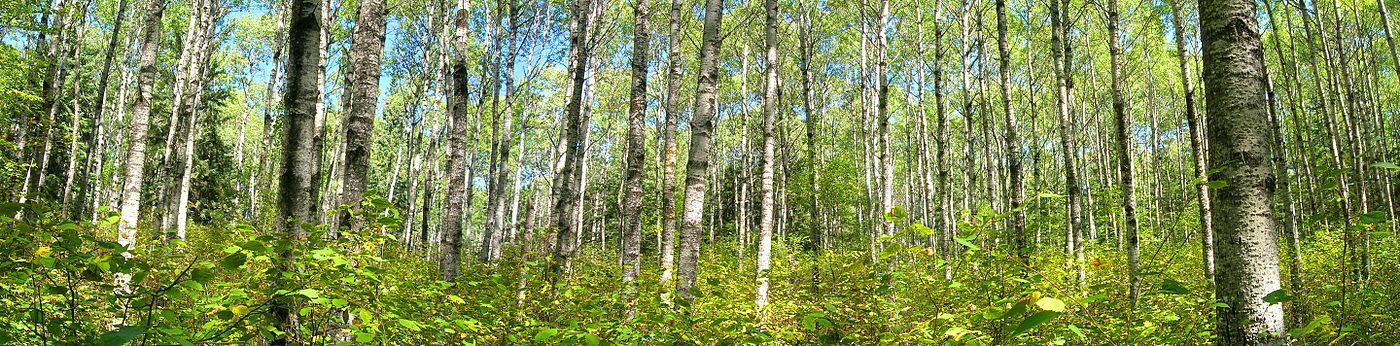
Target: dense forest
x=699, y=172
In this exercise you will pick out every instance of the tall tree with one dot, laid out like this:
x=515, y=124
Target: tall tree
x=806, y=48
x=1198, y=147
x=1061, y=50
x=1240, y=138
x=668, y=139
x=94, y=137
x=636, y=154
x=140, y=120
x=1013, y=140
x=364, y=93
x=569, y=177
x=1123, y=130
x=770, y=110
x=301, y=159
x=451, y=260
x=701, y=127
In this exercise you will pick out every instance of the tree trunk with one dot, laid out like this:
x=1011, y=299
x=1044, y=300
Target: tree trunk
x=451, y=260
x=668, y=171
x=136, y=148
x=359, y=119
x=296, y=199
x=701, y=127
x=94, y=143
x=1013, y=140
x=1061, y=51
x=572, y=140
x=770, y=110
x=1198, y=148
x=1233, y=67
x=1124, y=132
x=806, y=51
x=636, y=157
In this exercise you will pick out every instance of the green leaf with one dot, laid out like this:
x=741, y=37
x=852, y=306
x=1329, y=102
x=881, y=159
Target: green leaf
x=1373, y=218
x=1277, y=296
x=364, y=336
x=233, y=261
x=545, y=334
x=1308, y=329
x=922, y=230
x=121, y=336
x=9, y=210
x=411, y=325
x=1050, y=304
x=890, y=251
x=966, y=243
x=201, y=275
x=308, y=292
x=1077, y=331
x=896, y=214
x=1217, y=184
x=1034, y=320
x=1170, y=286
x=1387, y=165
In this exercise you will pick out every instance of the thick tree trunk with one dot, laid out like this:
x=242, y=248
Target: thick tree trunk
x=140, y=120
x=668, y=170
x=770, y=110
x=1233, y=67
x=1124, y=131
x=701, y=127
x=297, y=195
x=451, y=260
x=1013, y=140
x=636, y=156
x=359, y=119
x=1061, y=50
x=570, y=175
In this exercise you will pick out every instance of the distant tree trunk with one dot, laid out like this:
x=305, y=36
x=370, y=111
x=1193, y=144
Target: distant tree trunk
x=668, y=170
x=1197, y=145
x=882, y=66
x=945, y=188
x=496, y=193
x=1233, y=67
x=1061, y=51
x=1124, y=131
x=136, y=147
x=181, y=121
x=451, y=260
x=806, y=47
x=76, y=116
x=770, y=110
x=636, y=156
x=269, y=124
x=200, y=64
x=296, y=199
x=1013, y=140
x=1287, y=220
x=570, y=176
x=359, y=120
x=94, y=143
x=701, y=126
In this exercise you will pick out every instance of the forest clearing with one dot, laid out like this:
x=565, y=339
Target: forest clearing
x=699, y=172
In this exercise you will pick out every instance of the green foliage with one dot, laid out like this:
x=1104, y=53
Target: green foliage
x=60, y=286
